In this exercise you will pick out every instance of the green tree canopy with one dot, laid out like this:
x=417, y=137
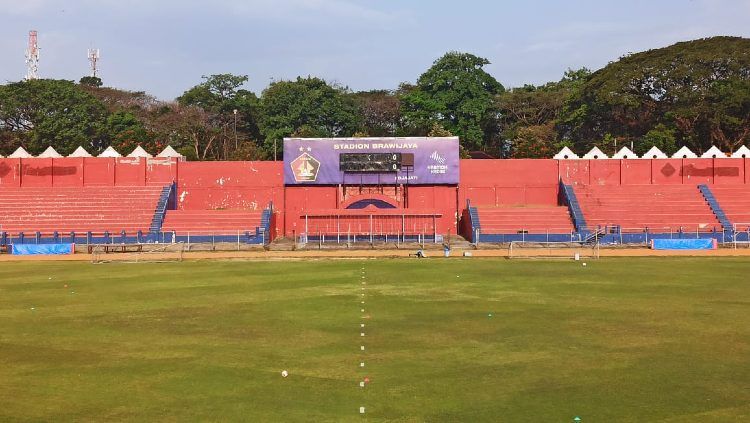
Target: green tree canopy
x=697, y=89
x=528, y=115
x=43, y=112
x=379, y=111
x=307, y=107
x=221, y=95
x=457, y=93
x=92, y=81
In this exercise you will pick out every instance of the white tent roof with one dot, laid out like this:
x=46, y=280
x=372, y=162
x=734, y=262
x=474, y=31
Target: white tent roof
x=654, y=153
x=713, y=152
x=684, y=153
x=742, y=152
x=20, y=153
x=110, y=152
x=625, y=153
x=595, y=153
x=565, y=154
x=169, y=152
x=79, y=152
x=49, y=153
x=139, y=152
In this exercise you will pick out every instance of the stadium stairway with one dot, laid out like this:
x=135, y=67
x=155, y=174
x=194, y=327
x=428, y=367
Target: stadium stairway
x=570, y=198
x=475, y=225
x=715, y=207
x=161, y=208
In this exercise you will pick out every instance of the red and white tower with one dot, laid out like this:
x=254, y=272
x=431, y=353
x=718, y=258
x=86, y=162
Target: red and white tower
x=93, y=61
x=32, y=57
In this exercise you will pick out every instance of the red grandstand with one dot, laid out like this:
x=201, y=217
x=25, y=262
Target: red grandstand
x=157, y=199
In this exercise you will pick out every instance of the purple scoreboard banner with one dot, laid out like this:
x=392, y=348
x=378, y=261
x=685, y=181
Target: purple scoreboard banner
x=353, y=161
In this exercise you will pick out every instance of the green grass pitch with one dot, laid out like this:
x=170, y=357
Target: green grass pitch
x=466, y=340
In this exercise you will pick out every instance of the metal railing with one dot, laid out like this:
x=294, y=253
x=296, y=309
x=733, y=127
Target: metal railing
x=352, y=238
x=609, y=234
x=237, y=237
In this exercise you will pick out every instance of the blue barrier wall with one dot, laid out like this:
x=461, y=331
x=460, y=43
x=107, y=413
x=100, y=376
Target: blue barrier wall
x=42, y=249
x=683, y=244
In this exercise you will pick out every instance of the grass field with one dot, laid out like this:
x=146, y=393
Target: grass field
x=445, y=340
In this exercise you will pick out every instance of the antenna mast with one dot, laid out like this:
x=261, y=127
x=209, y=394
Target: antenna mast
x=93, y=60
x=32, y=57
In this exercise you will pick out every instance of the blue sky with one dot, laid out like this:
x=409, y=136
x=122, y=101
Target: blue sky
x=163, y=47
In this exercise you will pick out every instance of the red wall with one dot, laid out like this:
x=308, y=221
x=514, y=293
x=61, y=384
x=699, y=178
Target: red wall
x=87, y=171
x=508, y=182
x=229, y=185
x=10, y=172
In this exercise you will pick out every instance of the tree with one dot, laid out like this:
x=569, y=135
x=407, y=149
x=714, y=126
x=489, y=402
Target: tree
x=192, y=129
x=126, y=132
x=457, y=93
x=379, y=111
x=529, y=114
x=535, y=142
x=307, y=107
x=43, y=112
x=697, y=89
x=228, y=106
x=91, y=81
x=437, y=130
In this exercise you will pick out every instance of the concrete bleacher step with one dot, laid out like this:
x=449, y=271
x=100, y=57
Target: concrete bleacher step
x=529, y=219
x=664, y=207
x=78, y=209
x=216, y=221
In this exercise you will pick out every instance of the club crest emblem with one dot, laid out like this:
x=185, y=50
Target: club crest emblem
x=305, y=168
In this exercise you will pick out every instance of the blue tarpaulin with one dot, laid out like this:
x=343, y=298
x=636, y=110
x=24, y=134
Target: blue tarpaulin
x=683, y=244
x=41, y=249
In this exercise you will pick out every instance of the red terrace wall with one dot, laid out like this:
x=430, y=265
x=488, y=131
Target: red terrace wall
x=10, y=172
x=657, y=171
x=300, y=200
x=229, y=185
x=508, y=182
x=98, y=171
x=87, y=171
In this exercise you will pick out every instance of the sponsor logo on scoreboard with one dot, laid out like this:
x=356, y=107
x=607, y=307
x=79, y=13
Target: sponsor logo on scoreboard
x=440, y=168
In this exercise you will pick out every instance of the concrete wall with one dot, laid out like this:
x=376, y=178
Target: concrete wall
x=78, y=172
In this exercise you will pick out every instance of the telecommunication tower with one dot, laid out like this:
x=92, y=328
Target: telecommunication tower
x=93, y=61
x=32, y=57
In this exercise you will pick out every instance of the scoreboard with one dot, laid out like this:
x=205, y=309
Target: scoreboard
x=370, y=162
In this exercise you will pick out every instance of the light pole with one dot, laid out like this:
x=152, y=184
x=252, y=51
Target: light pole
x=235, y=129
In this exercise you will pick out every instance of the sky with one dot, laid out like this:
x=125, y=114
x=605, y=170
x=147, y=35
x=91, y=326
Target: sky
x=163, y=47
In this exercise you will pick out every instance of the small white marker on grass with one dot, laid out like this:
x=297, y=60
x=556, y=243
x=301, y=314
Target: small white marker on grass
x=361, y=410
x=362, y=364
x=361, y=325
x=362, y=334
x=362, y=347
x=361, y=384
